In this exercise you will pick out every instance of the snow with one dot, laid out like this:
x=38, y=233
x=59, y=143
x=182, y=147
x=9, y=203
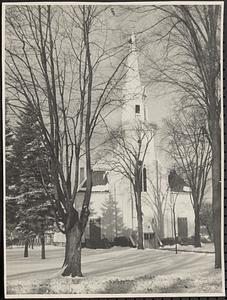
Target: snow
x=97, y=188
x=59, y=237
x=24, y=194
x=110, y=270
x=205, y=247
x=100, y=188
x=186, y=189
x=172, y=283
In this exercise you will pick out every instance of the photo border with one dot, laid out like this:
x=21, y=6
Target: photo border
x=223, y=190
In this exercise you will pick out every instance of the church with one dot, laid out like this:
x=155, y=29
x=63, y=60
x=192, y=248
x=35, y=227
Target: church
x=114, y=189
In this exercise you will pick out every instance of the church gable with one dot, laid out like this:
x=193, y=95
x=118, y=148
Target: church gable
x=99, y=182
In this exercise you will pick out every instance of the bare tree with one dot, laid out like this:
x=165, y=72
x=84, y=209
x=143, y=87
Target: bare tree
x=156, y=197
x=172, y=206
x=54, y=55
x=128, y=149
x=188, y=147
x=189, y=63
x=206, y=218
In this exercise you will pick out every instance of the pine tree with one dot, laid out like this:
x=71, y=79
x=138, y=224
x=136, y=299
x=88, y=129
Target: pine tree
x=34, y=210
x=112, y=220
x=206, y=218
x=11, y=186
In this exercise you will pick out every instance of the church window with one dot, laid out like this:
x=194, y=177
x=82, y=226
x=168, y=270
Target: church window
x=144, y=179
x=82, y=175
x=137, y=108
x=148, y=236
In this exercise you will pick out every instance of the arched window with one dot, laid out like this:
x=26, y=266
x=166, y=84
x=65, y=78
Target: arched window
x=82, y=175
x=137, y=109
x=144, y=179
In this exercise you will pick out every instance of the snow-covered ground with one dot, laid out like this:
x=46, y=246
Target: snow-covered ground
x=116, y=270
x=205, y=247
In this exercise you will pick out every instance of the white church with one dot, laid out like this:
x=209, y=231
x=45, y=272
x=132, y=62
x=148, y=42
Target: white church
x=156, y=196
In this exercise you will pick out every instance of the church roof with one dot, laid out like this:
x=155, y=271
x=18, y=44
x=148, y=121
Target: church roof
x=99, y=182
x=177, y=183
x=98, y=178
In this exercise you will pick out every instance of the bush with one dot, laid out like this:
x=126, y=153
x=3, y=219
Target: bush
x=119, y=286
x=122, y=241
x=168, y=241
x=187, y=241
x=205, y=239
x=98, y=244
x=182, y=241
x=9, y=243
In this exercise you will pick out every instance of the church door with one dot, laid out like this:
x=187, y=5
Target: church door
x=182, y=227
x=95, y=229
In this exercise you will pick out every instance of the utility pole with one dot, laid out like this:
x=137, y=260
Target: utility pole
x=115, y=211
x=131, y=199
x=173, y=205
x=158, y=198
x=174, y=186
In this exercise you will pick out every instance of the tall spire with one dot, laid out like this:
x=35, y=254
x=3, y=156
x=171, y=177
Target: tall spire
x=133, y=90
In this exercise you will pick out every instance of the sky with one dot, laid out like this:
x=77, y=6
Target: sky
x=159, y=101
x=121, y=22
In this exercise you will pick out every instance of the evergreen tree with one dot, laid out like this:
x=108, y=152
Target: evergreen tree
x=112, y=220
x=206, y=218
x=11, y=186
x=34, y=210
x=12, y=174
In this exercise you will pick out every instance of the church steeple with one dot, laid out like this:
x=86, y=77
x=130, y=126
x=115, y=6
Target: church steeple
x=133, y=108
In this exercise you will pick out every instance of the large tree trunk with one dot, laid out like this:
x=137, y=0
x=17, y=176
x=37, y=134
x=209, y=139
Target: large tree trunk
x=26, y=248
x=216, y=191
x=140, y=230
x=210, y=233
x=197, y=242
x=72, y=262
x=42, y=240
x=175, y=228
x=140, y=223
x=161, y=225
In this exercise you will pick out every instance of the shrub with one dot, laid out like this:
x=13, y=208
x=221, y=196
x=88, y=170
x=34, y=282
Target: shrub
x=98, y=244
x=187, y=241
x=119, y=286
x=168, y=241
x=122, y=241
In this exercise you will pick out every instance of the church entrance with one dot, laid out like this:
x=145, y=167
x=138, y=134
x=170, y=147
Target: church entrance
x=182, y=225
x=95, y=229
x=150, y=240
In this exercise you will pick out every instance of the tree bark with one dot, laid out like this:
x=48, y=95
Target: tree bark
x=161, y=225
x=197, y=242
x=140, y=222
x=210, y=233
x=42, y=240
x=72, y=262
x=26, y=248
x=140, y=231
x=174, y=228
x=216, y=190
